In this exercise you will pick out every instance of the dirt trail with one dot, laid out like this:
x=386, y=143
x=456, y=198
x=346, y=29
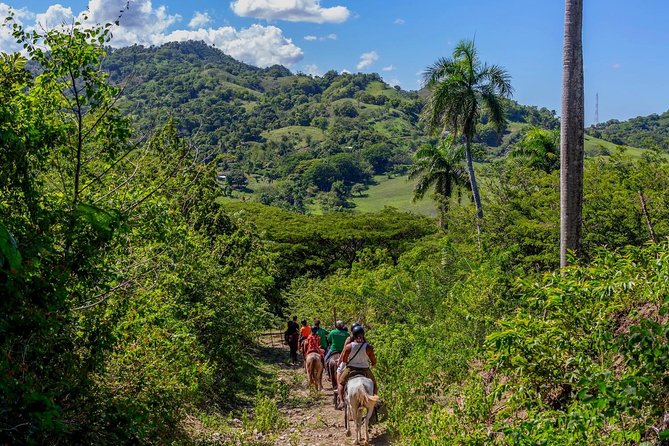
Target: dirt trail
x=312, y=418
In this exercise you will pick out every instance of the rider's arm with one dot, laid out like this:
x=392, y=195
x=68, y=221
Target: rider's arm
x=344, y=355
x=370, y=354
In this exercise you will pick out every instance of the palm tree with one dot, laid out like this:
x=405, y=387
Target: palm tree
x=540, y=149
x=461, y=90
x=438, y=167
x=571, y=132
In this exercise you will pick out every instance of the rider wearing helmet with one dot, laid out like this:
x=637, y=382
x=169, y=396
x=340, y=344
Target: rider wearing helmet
x=358, y=356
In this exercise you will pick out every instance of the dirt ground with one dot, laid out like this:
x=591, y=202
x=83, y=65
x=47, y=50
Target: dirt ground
x=312, y=418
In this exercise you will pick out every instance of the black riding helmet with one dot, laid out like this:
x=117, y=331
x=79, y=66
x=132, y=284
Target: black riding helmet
x=314, y=329
x=358, y=331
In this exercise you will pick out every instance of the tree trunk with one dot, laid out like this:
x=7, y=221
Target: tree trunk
x=443, y=211
x=475, y=188
x=571, y=132
x=649, y=222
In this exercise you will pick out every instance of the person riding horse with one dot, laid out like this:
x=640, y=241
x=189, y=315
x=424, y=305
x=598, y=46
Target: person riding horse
x=322, y=333
x=291, y=336
x=357, y=358
x=336, y=339
x=313, y=343
x=305, y=331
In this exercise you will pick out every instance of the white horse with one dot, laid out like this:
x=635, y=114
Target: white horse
x=360, y=395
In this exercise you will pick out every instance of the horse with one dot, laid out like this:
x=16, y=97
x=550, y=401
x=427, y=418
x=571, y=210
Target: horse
x=331, y=368
x=315, y=370
x=359, y=395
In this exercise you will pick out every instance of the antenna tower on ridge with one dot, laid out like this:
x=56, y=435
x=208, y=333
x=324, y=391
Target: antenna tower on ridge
x=596, y=108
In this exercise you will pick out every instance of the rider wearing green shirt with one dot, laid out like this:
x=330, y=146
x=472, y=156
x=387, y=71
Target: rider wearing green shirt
x=337, y=339
x=322, y=333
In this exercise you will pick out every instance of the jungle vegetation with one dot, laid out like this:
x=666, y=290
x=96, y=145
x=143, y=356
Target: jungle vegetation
x=133, y=288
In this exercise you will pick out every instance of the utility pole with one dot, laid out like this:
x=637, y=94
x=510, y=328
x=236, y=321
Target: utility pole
x=596, y=108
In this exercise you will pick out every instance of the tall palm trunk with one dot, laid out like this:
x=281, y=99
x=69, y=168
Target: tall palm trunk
x=473, y=183
x=571, y=132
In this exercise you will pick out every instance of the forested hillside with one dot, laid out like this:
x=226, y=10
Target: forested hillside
x=647, y=132
x=295, y=137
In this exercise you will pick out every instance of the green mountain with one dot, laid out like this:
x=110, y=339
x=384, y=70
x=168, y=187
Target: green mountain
x=287, y=138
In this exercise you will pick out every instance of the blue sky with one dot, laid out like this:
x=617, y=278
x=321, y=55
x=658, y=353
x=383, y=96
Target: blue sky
x=626, y=47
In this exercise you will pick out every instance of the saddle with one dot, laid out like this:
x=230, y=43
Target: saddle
x=354, y=373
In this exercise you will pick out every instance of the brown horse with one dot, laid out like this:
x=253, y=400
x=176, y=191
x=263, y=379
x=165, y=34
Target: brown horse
x=315, y=370
x=331, y=367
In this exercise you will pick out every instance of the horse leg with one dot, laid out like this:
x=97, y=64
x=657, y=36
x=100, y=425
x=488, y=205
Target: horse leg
x=358, y=424
x=370, y=411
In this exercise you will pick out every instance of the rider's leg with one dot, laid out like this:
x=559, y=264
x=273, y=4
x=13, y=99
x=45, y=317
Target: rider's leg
x=341, y=379
x=370, y=375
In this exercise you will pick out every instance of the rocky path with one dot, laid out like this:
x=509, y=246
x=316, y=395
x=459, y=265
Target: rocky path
x=311, y=416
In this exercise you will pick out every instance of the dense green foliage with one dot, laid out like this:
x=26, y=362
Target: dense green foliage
x=133, y=291
x=439, y=168
x=648, y=132
x=323, y=244
x=492, y=347
x=122, y=281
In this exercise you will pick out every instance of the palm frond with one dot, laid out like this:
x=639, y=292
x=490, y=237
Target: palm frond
x=498, y=78
x=494, y=107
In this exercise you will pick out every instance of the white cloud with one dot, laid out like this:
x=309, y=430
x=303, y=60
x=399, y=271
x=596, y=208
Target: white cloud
x=55, y=16
x=258, y=45
x=617, y=66
x=399, y=22
x=311, y=38
x=367, y=59
x=7, y=41
x=313, y=70
x=142, y=23
x=199, y=20
x=345, y=71
x=388, y=68
x=393, y=82
x=290, y=10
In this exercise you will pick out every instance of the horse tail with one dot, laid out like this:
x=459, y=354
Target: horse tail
x=367, y=398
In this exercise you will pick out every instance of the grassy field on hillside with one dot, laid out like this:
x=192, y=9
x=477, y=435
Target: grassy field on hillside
x=395, y=192
x=295, y=132
x=597, y=145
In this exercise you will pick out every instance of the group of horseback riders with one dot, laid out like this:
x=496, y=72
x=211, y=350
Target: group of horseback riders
x=344, y=355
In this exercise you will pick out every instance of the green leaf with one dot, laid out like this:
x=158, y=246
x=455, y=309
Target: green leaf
x=9, y=250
